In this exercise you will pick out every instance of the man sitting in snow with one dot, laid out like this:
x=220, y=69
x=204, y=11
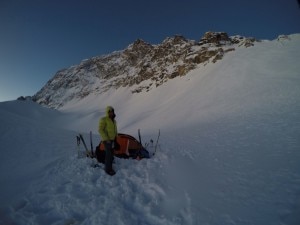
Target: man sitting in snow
x=108, y=132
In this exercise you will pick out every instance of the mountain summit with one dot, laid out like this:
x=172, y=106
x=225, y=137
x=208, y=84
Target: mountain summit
x=140, y=67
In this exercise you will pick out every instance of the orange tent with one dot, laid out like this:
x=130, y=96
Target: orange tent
x=129, y=148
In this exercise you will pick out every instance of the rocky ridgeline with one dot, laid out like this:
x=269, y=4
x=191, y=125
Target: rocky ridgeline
x=141, y=67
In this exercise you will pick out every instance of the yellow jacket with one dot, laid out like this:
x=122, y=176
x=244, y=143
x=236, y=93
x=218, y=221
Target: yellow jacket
x=108, y=127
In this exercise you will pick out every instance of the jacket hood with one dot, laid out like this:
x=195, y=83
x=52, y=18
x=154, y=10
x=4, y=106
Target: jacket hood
x=108, y=108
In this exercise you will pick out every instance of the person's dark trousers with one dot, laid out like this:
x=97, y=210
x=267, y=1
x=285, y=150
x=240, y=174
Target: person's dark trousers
x=109, y=156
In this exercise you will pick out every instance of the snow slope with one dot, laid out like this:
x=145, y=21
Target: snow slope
x=229, y=151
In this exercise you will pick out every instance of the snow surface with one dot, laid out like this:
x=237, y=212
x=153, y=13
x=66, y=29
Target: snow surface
x=229, y=150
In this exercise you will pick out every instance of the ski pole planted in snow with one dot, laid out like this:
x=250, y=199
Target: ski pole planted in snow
x=140, y=139
x=91, y=140
x=84, y=144
x=156, y=144
x=78, y=144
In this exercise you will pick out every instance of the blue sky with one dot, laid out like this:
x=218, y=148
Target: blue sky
x=40, y=37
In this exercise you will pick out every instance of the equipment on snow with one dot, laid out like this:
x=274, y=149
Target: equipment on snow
x=140, y=139
x=125, y=146
x=78, y=147
x=91, y=141
x=156, y=144
x=129, y=147
x=87, y=151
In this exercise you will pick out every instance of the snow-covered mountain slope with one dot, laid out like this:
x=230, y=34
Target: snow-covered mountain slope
x=243, y=76
x=140, y=67
x=229, y=151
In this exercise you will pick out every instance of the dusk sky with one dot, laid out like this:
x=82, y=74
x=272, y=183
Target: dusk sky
x=40, y=37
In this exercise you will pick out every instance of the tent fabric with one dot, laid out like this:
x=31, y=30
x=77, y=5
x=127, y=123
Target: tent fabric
x=129, y=148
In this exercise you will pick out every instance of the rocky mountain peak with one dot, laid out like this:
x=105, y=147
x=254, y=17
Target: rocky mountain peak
x=138, y=45
x=175, y=40
x=217, y=38
x=140, y=67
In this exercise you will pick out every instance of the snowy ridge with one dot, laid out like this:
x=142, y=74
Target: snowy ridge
x=229, y=151
x=140, y=67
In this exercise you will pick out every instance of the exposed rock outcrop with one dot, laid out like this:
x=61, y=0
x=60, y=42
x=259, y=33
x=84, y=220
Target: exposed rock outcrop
x=140, y=67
